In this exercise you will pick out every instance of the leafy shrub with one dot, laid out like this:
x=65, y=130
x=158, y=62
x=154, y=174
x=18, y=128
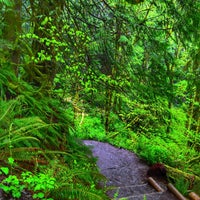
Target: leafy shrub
x=40, y=183
x=152, y=151
x=90, y=128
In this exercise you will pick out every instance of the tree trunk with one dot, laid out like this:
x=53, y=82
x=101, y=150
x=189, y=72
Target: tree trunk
x=12, y=31
x=175, y=173
x=108, y=107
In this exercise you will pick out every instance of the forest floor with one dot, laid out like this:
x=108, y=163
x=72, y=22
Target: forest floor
x=26, y=195
x=126, y=174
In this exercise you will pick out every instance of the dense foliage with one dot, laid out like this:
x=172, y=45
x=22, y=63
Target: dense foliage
x=126, y=72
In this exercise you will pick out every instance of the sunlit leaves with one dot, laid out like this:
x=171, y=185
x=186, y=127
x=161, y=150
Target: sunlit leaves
x=8, y=3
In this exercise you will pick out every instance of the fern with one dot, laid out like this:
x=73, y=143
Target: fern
x=76, y=180
x=77, y=193
x=34, y=130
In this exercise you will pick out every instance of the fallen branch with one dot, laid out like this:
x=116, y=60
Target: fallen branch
x=155, y=185
x=175, y=192
x=194, y=196
x=177, y=173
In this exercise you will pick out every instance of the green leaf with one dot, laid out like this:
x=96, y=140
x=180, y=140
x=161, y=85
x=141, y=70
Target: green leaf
x=38, y=187
x=8, y=3
x=39, y=195
x=16, y=194
x=46, y=19
x=11, y=160
x=4, y=188
x=123, y=39
x=5, y=170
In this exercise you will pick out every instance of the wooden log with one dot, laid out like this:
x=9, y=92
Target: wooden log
x=155, y=184
x=175, y=192
x=194, y=196
x=192, y=180
x=176, y=173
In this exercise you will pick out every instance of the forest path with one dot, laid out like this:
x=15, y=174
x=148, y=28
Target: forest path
x=126, y=172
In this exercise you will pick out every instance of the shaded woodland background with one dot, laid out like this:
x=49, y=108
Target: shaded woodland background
x=125, y=72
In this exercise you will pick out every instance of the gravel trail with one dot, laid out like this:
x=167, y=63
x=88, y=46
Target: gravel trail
x=126, y=172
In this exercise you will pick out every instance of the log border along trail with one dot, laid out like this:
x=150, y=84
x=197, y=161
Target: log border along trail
x=127, y=175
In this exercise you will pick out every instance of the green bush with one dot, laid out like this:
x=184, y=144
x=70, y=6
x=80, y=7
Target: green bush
x=153, y=151
x=90, y=128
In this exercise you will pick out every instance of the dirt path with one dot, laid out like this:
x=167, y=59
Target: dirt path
x=126, y=172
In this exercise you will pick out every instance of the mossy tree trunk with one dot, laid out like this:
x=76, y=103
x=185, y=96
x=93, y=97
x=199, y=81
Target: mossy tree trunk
x=46, y=25
x=11, y=35
x=193, y=121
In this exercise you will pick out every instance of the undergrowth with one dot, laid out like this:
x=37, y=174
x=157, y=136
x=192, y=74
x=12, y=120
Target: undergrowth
x=34, y=132
x=169, y=148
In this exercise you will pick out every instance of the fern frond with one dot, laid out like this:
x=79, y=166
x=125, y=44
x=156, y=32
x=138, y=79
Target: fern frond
x=16, y=140
x=19, y=154
x=64, y=193
x=7, y=111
